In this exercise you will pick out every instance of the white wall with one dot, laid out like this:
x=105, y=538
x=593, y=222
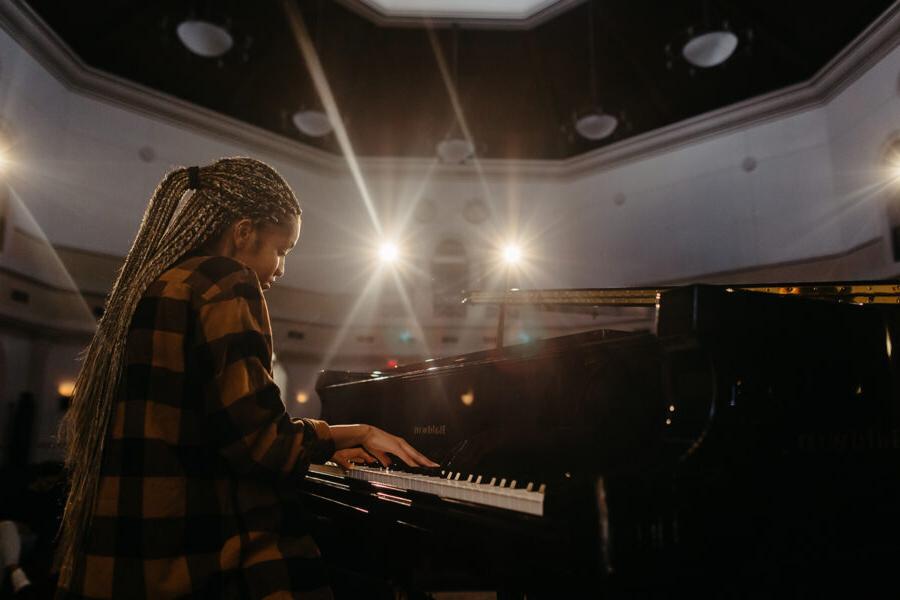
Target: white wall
x=859, y=122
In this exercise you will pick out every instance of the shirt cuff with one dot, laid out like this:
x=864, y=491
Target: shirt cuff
x=322, y=449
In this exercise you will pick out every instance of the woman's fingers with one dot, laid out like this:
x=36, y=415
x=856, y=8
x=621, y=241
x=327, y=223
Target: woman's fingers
x=342, y=461
x=352, y=456
x=419, y=458
x=379, y=443
x=413, y=457
x=360, y=456
x=381, y=456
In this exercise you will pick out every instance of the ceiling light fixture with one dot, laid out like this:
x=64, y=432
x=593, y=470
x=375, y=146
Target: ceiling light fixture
x=512, y=254
x=456, y=148
x=454, y=151
x=313, y=123
x=594, y=124
x=710, y=49
x=709, y=43
x=388, y=252
x=204, y=38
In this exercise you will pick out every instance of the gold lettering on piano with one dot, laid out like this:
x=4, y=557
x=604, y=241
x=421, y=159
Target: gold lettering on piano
x=430, y=430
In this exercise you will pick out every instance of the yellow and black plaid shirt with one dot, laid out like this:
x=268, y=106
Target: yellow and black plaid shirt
x=198, y=483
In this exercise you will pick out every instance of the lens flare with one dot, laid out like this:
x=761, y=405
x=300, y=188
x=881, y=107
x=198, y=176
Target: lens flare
x=512, y=254
x=388, y=252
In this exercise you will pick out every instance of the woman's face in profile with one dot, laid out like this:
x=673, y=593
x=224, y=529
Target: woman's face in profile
x=267, y=247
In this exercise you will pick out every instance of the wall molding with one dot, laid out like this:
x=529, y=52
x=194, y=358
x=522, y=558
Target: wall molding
x=873, y=44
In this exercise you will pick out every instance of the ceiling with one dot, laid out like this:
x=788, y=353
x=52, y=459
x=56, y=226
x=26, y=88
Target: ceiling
x=520, y=89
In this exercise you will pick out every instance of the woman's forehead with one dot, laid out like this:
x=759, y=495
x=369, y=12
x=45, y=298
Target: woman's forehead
x=285, y=230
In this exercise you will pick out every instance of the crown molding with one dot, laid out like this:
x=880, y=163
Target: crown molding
x=872, y=45
x=24, y=25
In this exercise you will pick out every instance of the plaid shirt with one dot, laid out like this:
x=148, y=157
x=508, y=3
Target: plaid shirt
x=198, y=483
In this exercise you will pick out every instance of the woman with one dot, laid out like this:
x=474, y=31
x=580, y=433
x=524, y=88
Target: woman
x=183, y=461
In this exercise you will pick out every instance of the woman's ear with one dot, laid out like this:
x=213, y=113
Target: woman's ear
x=242, y=233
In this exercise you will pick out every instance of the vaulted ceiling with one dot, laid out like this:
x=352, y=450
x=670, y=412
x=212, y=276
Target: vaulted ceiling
x=520, y=88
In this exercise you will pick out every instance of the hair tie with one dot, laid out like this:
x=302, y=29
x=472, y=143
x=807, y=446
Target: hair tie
x=193, y=178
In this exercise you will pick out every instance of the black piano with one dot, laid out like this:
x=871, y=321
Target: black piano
x=748, y=442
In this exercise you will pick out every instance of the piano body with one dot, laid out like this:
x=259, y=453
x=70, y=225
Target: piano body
x=750, y=442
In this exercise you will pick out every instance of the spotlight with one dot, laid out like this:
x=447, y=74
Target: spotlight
x=302, y=397
x=388, y=252
x=893, y=169
x=512, y=254
x=313, y=123
x=710, y=49
x=204, y=38
x=891, y=158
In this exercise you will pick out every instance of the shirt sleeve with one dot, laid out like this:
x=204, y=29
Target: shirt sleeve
x=246, y=415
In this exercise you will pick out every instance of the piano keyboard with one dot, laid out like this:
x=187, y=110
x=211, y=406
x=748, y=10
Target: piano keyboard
x=492, y=493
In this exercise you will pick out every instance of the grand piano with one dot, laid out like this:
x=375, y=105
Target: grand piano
x=749, y=440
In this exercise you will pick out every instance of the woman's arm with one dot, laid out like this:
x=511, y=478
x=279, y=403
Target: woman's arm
x=245, y=416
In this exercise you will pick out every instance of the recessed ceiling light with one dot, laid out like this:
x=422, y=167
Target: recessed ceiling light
x=314, y=123
x=455, y=150
x=204, y=38
x=710, y=49
x=596, y=125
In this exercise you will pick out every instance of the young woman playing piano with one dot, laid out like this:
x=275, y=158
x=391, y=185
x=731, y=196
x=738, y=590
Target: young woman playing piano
x=183, y=461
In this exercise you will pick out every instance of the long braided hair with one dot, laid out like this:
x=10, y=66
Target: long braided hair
x=174, y=224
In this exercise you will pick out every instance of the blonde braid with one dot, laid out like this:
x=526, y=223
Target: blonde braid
x=230, y=188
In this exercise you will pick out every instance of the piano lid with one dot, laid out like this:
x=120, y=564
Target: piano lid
x=856, y=292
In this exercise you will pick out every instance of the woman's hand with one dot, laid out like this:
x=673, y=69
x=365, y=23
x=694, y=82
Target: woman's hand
x=377, y=443
x=348, y=457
